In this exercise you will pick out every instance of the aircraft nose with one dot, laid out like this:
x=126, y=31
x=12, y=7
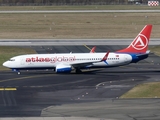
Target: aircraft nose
x=5, y=64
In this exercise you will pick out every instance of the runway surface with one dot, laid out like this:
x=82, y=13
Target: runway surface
x=93, y=94
x=69, y=42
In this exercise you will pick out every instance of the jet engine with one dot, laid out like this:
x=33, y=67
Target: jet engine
x=63, y=69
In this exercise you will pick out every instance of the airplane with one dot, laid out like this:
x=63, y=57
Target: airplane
x=67, y=62
x=93, y=49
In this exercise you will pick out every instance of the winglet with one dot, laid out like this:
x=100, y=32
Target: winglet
x=93, y=49
x=105, y=57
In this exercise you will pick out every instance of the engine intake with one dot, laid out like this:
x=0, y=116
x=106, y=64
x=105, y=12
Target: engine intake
x=63, y=69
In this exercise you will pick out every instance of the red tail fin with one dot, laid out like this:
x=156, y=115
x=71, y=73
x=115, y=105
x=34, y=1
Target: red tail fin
x=140, y=43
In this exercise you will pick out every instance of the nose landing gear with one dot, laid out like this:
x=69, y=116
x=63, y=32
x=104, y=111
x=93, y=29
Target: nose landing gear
x=19, y=73
x=16, y=70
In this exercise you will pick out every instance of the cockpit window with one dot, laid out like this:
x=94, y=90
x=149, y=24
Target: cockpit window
x=12, y=60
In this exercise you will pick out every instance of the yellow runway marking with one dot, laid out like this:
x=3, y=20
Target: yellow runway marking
x=10, y=88
x=87, y=47
x=1, y=89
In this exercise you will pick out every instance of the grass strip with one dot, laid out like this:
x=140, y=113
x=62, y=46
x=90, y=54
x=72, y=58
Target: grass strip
x=145, y=90
x=82, y=7
x=77, y=25
x=155, y=49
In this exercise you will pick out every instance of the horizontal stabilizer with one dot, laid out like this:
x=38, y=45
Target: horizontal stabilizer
x=147, y=52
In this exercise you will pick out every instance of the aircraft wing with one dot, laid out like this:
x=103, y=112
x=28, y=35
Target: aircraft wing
x=82, y=64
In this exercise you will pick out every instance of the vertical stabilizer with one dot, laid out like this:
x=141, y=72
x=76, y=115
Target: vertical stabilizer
x=140, y=43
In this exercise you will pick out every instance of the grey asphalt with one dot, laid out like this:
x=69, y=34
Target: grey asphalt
x=93, y=94
x=69, y=42
x=126, y=109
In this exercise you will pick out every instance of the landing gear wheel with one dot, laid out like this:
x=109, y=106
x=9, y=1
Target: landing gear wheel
x=78, y=71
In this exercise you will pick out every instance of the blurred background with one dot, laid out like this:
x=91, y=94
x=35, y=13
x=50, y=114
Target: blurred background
x=71, y=2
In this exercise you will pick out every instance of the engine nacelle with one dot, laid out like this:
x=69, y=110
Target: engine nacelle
x=63, y=69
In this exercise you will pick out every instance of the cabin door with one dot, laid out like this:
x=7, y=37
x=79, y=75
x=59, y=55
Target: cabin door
x=22, y=61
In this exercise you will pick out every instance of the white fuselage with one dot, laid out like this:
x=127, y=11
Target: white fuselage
x=80, y=60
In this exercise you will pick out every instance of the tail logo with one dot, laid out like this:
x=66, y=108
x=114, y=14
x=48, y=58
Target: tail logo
x=140, y=42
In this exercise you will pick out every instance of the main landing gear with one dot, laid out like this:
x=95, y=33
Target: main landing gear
x=78, y=71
